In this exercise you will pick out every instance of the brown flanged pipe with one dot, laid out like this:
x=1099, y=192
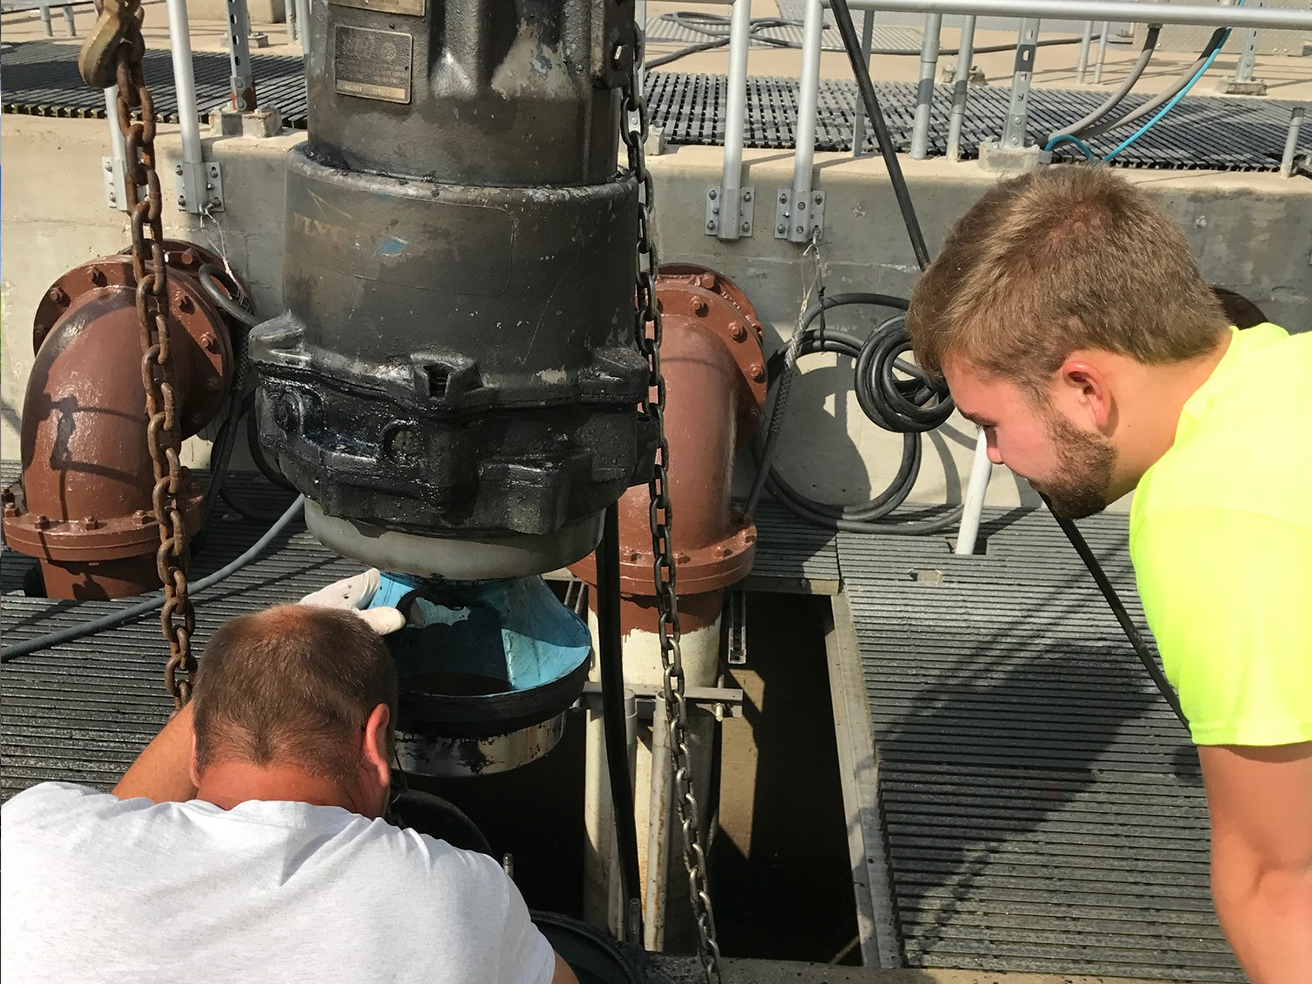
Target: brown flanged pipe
x=715, y=384
x=715, y=381
x=85, y=507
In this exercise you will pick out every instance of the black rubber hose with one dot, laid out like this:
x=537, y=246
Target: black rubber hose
x=843, y=20
x=156, y=601
x=1118, y=609
x=883, y=397
x=611, y=661
x=229, y=298
x=257, y=454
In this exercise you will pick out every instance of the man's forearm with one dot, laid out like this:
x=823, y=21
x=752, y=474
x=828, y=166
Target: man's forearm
x=162, y=772
x=1267, y=917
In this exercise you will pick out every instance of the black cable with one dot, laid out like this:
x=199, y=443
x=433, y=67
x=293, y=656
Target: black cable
x=1118, y=609
x=262, y=462
x=843, y=21
x=611, y=660
x=229, y=298
x=156, y=601
x=908, y=405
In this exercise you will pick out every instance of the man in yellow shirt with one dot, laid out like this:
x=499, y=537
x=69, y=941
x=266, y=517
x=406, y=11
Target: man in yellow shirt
x=1071, y=323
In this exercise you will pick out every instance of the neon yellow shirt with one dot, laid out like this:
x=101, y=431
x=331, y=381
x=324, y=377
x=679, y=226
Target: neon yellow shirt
x=1221, y=539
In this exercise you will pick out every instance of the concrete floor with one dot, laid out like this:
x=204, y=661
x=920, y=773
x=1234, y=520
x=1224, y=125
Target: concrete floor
x=1287, y=77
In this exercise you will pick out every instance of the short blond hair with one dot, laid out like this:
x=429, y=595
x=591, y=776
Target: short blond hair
x=1062, y=259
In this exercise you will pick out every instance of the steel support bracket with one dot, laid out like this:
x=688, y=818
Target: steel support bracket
x=200, y=186
x=800, y=224
x=111, y=171
x=721, y=702
x=729, y=216
x=735, y=620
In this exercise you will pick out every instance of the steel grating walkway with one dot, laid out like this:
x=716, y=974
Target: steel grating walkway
x=1201, y=132
x=1042, y=806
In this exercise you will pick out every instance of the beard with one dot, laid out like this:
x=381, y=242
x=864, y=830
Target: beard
x=1084, y=475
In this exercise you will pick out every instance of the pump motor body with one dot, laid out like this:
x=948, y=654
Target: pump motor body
x=454, y=381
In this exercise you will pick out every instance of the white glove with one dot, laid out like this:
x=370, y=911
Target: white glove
x=353, y=594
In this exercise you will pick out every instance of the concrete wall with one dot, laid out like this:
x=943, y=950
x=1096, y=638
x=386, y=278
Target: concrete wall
x=1251, y=232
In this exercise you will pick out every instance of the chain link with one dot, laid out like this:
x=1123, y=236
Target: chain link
x=163, y=429
x=635, y=124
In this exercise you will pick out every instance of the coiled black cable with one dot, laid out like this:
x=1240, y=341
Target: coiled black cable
x=895, y=394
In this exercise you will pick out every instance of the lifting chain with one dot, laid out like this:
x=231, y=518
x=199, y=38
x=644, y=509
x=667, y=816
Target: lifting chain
x=113, y=53
x=635, y=124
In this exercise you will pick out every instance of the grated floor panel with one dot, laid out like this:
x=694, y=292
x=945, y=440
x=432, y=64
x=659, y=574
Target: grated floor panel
x=1043, y=808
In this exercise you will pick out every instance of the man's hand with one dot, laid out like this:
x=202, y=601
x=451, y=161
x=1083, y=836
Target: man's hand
x=1261, y=805
x=354, y=594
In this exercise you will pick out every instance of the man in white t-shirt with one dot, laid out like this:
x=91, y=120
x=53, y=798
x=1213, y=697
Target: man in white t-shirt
x=245, y=843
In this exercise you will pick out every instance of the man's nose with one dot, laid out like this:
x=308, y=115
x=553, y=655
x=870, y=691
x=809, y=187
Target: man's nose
x=995, y=455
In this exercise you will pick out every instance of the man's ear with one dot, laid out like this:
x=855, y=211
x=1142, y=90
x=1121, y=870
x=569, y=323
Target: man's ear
x=1084, y=391
x=373, y=750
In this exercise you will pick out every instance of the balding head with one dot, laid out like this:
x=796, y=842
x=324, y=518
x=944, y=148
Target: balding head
x=292, y=685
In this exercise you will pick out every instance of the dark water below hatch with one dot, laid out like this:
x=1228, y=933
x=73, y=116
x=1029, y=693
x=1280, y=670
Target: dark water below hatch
x=455, y=684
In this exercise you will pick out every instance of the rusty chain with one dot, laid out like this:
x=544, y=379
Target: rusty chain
x=635, y=127
x=117, y=42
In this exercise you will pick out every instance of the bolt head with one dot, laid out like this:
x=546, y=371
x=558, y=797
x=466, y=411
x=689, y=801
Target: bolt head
x=781, y=228
x=186, y=306
x=139, y=517
x=712, y=194
x=747, y=196
x=737, y=331
x=91, y=523
x=747, y=227
x=757, y=372
x=178, y=170
x=98, y=276
x=819, y=199
x=209, y=340
x=109, y=165
x=801, y=206
x=800, y=229
x=783, y=198
x=188, y=257
x=10, y=509
x=700, y=307
x=182, y=202
x=402, y=444
x=707, y=280
x=41, y=522
x=710, y=224
x=57, y=295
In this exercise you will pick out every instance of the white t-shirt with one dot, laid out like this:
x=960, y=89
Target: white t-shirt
x=100, y=889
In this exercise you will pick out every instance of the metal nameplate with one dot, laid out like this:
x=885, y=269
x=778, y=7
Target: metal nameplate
x=410, y=8
x=372, y=64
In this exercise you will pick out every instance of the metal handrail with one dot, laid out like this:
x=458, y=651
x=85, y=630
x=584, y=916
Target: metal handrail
x=1120, y=11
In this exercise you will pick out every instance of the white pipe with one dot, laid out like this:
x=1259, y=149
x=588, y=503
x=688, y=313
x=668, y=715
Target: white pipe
x=1082, y=63
x=925, y=88
x=981, y=469
x=1104, y=30
x=808, y=100
x=731, y=181
x=1291, y=141
x=184, y=81
x=961, y=86
x=1129, y=11
x=304, y=27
